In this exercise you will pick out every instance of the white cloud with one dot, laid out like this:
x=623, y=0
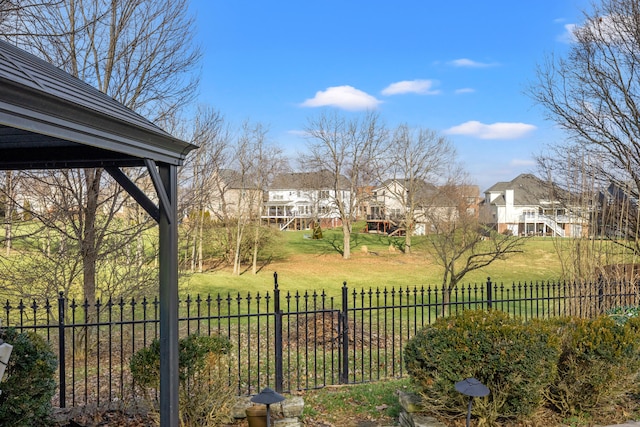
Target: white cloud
x=605, y=28
x=464, y=90
x=567, y=36
x=492, y=131
x=469, y=63
x=345, y=97
x=421, y=87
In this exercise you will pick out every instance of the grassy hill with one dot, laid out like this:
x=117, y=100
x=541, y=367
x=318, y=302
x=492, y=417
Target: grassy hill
x=303, y=265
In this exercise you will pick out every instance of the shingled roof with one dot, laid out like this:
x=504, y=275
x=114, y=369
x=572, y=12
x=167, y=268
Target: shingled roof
x=308, y=181
x=528, y=190
x=77, y=125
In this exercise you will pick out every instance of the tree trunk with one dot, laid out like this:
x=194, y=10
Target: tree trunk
x=200, y=238
x=407, y=237
x=236, y=252
x=256, y=239
x=346, y=231
x=8, y=212
x=89, y=238
x=194, y=245
x=446, y=299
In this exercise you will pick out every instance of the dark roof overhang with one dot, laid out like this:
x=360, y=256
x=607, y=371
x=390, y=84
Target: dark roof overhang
x=50, y=119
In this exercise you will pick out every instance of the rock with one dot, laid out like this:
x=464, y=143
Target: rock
x=287, y=422
x=417, y=420
x=410, y=402
x=426, y=421
x=410, y=416
x=292, y=406
x=238, y=410
x=405, y=419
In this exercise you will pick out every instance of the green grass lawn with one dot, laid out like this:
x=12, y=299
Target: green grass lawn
x=305, y=265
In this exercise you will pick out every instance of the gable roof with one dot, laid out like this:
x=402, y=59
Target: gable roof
x=528, y=190
x=320, y=180
x=233, y=179
x=424, y=191
x=76, y=125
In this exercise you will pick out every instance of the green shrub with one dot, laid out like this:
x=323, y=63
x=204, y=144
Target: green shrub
x=516, y=361
x=598, y=365
x=204, y=393
x=29, y=382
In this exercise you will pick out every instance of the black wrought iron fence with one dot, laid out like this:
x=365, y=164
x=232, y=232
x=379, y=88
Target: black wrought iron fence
x=287, y=341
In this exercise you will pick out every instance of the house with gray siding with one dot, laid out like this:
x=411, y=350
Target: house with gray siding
x=527, y=206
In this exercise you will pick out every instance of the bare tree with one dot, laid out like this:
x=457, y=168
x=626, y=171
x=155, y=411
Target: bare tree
x=346, y=148
x=600, y=210
x=251, y=138
x=258, y=162
x=459, y=243
x=418, y=159
x=8, y=193
x=210, y=134
x=141, y=53
x=592, y=94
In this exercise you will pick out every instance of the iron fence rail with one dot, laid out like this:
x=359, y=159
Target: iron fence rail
x=287, y=341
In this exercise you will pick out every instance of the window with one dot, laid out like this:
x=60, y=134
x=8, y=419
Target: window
x=324, y=194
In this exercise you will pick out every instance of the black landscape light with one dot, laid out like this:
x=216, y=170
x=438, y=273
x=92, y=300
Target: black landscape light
x=267, y=397
x=473, y=388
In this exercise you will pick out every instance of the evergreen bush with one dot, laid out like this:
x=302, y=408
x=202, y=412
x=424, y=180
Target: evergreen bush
x=515, y=360
x=205, y=395
x=29, y=383
x=598, y=365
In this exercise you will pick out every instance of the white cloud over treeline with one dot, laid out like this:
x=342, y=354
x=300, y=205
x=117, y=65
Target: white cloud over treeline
x=499, y=130
x=345, y=97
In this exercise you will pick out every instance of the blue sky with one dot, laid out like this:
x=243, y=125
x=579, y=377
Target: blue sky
x=458, y=67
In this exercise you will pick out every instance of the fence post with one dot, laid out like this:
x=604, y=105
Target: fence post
x=489, y=293
x=278, y=334
x=61, y=350
x=344, y=335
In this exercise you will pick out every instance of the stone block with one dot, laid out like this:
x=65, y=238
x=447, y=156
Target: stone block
x=292, y=406
x=286, y=422
x=426, y=421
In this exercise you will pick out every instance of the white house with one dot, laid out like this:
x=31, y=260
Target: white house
x=392, y=199
x=526, y=206
x=297, y=200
